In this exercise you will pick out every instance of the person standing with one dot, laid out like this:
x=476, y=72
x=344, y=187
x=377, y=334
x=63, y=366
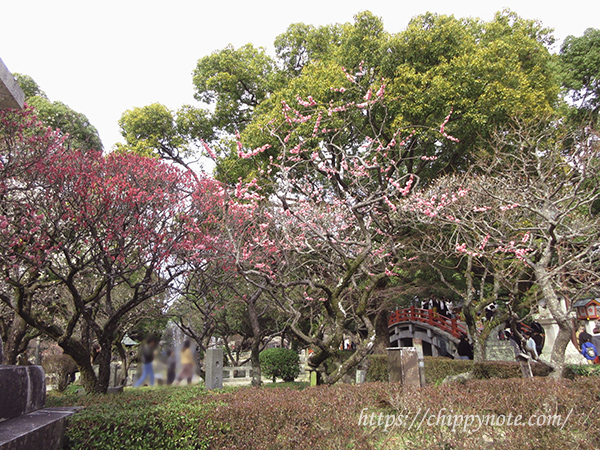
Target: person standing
x=187, y=363
x=531, y=346
x=171, y=365
x=464, y=348
x=147, y=351
x=596, y=340
x=539, y=342
x=589, y=350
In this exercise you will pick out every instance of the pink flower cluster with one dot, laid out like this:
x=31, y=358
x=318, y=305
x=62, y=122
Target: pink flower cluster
x=434, y=206
x=443, y=127
x=509, y=207
x=462, y=248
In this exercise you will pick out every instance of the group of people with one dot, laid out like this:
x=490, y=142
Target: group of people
x=534, y=339
x=440, y=306
x=533, y=345
x=149, y=350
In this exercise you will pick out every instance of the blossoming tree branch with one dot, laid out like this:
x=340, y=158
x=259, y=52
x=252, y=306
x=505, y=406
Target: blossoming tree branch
x=326, y=232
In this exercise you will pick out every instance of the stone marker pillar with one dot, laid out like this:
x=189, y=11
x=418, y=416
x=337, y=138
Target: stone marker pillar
x=524, y=361
x=403, y=365
x=213, y=366
x=361, y=376
x=315, y=377
x=418, y=343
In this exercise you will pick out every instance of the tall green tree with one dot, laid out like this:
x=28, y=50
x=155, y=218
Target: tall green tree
x=156, y=131
x=485, y=74
x=302, y=44
x=78, y=131
x=234, y=81
x=580, y=71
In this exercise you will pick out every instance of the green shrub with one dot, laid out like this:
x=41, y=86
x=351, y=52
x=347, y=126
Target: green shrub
x=377, y=368
x=327, y=417
x=582, y=370
x=280, y=362
x=142, y=419
x=436, y=369
x=335, y=417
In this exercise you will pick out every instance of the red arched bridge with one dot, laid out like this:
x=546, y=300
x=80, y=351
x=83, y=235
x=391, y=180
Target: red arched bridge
x=438, y=333
x=429, y=317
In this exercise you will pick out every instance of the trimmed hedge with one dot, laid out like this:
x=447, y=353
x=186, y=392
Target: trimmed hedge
x=582, y=370
x=142, y=419
x=336, y=417
x=436, y=369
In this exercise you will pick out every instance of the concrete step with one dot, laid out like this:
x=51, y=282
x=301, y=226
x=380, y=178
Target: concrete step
x=40, y=430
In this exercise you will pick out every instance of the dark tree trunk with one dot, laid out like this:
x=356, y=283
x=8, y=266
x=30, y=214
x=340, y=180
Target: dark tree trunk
x=82, y=358
x=103, y=361
x=254, y=359
x=382, y=339
x=16, y=341
x=256, y=338
x=122, y=351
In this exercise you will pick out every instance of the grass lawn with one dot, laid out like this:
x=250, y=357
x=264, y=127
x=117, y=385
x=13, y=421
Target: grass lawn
x=563, y=414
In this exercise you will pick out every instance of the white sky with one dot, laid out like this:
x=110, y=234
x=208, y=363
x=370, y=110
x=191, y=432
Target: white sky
x=104, y=57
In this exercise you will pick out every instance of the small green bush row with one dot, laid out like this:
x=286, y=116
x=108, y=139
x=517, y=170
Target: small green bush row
x=160, y=418
x=436, y=369
x=582, y=370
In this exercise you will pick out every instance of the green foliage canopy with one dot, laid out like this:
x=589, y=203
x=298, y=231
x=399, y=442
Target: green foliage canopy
x=485, y=73
x=79, y=132
x=580, y=70
x=156, y=131
x=280, y=362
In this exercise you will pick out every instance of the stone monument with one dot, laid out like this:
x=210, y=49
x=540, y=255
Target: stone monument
x=572, y=354
x=404, y=367
x=213, y=367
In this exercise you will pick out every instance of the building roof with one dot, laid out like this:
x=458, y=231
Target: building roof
x=585, y=302
x=128, y=342
x=11, y=95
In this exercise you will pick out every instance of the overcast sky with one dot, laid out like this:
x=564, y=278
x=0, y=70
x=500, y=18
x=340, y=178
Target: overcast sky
x=104, y=57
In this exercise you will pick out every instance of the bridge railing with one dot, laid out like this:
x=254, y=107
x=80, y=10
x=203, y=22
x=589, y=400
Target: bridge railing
x=427, y=316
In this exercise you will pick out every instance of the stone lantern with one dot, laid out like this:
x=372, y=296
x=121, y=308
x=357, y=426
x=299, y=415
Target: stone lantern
x=587, y=309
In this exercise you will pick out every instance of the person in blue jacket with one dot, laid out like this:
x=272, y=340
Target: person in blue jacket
x=589, y=350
